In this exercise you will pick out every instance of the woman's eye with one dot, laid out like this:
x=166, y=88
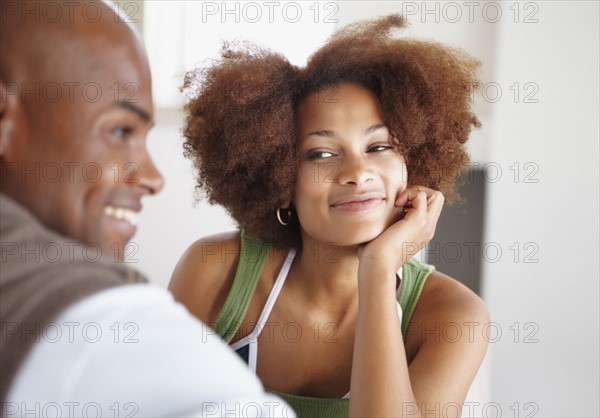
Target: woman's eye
x=378, y=148
x=317, y=155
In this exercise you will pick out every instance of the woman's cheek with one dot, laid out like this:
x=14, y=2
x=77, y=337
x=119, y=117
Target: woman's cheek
x=397, y=214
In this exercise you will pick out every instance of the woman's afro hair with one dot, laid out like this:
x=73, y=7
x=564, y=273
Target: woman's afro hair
x=240, y=123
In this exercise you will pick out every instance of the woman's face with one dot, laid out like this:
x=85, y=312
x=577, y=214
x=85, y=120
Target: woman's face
x=350, y=173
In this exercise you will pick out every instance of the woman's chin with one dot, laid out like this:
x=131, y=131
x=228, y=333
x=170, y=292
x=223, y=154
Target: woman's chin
x=357, y=237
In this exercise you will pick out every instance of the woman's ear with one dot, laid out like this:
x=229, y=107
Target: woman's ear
x=287, y=203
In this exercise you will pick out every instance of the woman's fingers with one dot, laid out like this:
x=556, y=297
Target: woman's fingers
x=435, y=202
x=405, y=237
x=422, y=207
x=413, y=196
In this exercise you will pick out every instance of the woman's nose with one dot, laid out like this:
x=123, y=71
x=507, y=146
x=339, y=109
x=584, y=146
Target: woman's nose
x=354, y=170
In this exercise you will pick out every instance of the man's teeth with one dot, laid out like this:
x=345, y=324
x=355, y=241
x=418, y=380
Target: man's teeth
x=121, y=214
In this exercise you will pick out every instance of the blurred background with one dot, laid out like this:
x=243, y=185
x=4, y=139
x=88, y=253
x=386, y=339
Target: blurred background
x=526, y=240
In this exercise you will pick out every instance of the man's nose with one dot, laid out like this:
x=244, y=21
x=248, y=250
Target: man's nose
x=148, y=175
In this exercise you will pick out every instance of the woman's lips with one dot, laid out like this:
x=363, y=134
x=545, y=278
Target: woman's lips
x=358, y=203
x=369, y=204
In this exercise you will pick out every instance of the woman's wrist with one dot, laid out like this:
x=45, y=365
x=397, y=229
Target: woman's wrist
x=376, y=281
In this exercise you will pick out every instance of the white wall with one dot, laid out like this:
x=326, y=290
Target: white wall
x=552, y=302
x=558, y=296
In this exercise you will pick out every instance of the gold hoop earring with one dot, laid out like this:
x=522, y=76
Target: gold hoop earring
x=289, y=216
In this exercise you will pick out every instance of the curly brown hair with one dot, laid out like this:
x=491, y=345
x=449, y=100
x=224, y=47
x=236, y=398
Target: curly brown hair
x=240, y=125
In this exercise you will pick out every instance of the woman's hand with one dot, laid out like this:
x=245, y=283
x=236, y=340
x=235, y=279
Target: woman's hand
x=381, y=384
x=403, y=239
x=442, y=371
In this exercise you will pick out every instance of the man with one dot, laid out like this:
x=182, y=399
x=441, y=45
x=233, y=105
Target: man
x=82, y=334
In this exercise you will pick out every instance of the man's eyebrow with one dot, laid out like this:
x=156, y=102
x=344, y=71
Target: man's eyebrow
x=136, y=109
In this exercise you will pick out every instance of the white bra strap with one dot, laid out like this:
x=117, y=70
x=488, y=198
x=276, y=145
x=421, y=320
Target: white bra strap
x=252, y=338
x=400, y=286
x=262, y=319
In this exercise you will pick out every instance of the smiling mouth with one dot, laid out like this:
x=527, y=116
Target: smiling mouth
x=122, y=214
x=359, y=205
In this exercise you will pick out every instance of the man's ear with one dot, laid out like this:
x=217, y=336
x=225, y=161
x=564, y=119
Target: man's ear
x=3, y=121
x=8, y=108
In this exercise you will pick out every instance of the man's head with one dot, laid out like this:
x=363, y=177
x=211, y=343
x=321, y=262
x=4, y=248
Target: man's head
x=75, y=109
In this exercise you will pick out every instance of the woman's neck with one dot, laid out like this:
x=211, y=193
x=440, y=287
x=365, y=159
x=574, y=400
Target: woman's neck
x=326, y=275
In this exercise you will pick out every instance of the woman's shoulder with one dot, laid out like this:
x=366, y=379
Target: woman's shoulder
x=204, y=275
x=446, y=297
x=447, y=312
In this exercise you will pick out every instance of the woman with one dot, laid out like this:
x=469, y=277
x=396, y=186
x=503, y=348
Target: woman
x=333, y=172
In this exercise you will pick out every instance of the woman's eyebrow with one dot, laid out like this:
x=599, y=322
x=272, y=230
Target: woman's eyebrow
x=328, y=134
x=373, y=128
x=332, y=134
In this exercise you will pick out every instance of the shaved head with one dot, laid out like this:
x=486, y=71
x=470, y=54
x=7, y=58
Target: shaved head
x=75, y=92
x=50, y=51
x=37, y=36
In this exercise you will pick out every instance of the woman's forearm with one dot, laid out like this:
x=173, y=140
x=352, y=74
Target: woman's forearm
x=380, y=383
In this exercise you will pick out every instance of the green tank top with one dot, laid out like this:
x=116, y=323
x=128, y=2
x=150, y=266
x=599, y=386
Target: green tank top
x=253, y=255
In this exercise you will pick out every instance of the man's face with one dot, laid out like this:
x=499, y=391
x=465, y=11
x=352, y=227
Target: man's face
x=80, y=163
